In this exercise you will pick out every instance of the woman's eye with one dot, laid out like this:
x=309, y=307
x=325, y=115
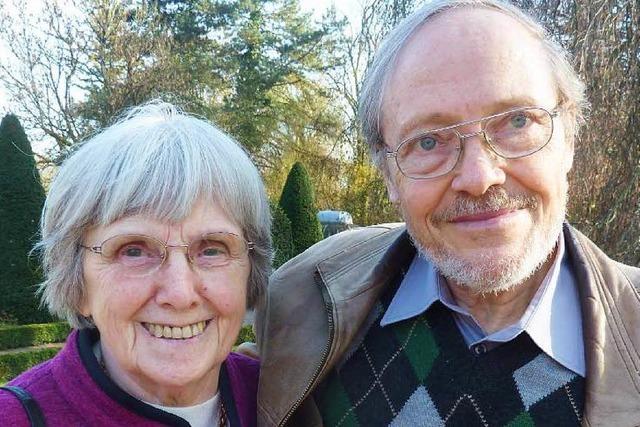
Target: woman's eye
x=519, y=121
x=427, y=143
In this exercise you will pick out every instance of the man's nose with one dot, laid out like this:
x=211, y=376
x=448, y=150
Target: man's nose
x=178, y=284
x=478, y=168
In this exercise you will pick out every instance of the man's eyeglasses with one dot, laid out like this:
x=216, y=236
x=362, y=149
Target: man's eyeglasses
x=511, y=135
x=139, y=255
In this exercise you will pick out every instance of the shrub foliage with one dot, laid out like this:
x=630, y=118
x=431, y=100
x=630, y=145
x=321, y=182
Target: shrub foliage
x=298, y=203
x=13, y=364
x=29, y=335
x=281, y=236
x=21, y=200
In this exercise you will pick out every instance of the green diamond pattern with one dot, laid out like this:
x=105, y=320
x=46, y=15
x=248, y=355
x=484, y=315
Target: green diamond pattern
x=338, y=410
x=522, y=420
x=421, y=347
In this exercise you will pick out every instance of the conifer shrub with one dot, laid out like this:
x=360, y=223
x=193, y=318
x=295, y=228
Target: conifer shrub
x=281, y=236
x=21, y=200
x=298, y=202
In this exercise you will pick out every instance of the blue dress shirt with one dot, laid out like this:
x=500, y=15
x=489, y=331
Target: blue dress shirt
x=552, y=319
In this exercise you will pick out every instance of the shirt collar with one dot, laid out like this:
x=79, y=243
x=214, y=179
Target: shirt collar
x=552, y=319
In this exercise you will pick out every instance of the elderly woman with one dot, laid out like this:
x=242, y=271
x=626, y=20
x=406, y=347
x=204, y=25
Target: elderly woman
x=155, y=239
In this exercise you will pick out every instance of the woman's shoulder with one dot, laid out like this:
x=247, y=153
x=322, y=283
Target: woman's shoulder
x=242, y=363
x=37, y=382
x=241, y=377
x=13, y=414
x=242, y=373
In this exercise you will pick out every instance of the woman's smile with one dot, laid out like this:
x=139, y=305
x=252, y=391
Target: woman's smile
x=169, y=331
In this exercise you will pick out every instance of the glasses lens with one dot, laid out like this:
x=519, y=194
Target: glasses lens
x=216, y=249
x=521, y=132
x=429, y=155
x=137, y=254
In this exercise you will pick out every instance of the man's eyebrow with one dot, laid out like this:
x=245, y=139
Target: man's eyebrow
x=510, y=104
x=417, y=123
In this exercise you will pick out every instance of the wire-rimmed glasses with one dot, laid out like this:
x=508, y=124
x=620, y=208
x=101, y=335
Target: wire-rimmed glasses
x=140, y=255
x=512, y=134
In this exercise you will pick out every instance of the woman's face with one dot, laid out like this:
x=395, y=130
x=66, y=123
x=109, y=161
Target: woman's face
x=141, y=317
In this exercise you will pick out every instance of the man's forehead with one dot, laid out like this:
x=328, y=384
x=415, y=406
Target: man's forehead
x=463, y=32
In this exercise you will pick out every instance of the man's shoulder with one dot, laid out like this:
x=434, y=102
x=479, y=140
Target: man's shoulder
x=632, y=273
x=348, y=244
x=589, y=252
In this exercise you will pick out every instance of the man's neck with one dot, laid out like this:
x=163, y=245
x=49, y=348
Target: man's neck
x=495, y=311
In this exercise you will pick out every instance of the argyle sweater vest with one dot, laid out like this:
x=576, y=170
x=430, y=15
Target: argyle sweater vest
x=420, y=372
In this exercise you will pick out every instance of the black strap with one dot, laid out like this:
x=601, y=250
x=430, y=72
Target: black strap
x=30, y=405
x=227, y=398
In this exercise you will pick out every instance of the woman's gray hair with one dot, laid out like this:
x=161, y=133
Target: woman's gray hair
x=570, y=87
x=157, y=161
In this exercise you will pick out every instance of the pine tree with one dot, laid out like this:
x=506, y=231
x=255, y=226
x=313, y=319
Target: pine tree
x=281, y=236
x=21, y=200
x=298, y=202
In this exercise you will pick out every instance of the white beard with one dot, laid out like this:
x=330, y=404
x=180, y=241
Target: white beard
x=485, y=273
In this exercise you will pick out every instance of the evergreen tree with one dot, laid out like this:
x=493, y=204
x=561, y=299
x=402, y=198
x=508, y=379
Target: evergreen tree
x=281, y=236
x=21, y=199
x=298, y=202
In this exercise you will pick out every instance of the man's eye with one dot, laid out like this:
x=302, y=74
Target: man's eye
x=212, y=252
x=132, y=251
x=427, y=143
x=518, y=121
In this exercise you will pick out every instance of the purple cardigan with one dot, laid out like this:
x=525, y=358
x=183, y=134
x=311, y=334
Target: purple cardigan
x=73, y=390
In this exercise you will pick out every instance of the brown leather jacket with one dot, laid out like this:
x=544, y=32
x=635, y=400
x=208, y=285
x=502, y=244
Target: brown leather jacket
x=317, y=302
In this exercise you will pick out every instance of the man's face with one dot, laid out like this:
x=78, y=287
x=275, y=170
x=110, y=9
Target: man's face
x=490, y=223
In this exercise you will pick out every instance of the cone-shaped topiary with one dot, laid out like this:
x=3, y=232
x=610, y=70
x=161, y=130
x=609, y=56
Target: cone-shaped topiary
x=281, y=236
x=298, y=202
x=21, y=199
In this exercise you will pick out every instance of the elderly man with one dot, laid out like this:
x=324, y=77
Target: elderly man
x=487, y=308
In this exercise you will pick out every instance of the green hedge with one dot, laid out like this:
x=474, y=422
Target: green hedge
x=13, y=364
x=29, y=335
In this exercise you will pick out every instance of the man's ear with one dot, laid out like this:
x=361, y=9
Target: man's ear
x=568, y=119
x=569, y=141
x=392, y=187
x=569, y=153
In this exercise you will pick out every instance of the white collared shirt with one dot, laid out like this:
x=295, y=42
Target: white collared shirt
x=552, y=319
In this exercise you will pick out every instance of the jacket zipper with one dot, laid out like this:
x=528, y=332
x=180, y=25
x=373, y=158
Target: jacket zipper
x=328, y=307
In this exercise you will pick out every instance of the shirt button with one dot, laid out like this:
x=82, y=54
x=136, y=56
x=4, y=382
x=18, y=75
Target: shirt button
x=479, y=349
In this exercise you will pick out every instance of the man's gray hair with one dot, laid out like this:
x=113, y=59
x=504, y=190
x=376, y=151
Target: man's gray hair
x=156, y=161
x=570, y=88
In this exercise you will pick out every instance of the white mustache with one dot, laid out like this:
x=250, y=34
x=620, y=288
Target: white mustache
x=495, y=199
